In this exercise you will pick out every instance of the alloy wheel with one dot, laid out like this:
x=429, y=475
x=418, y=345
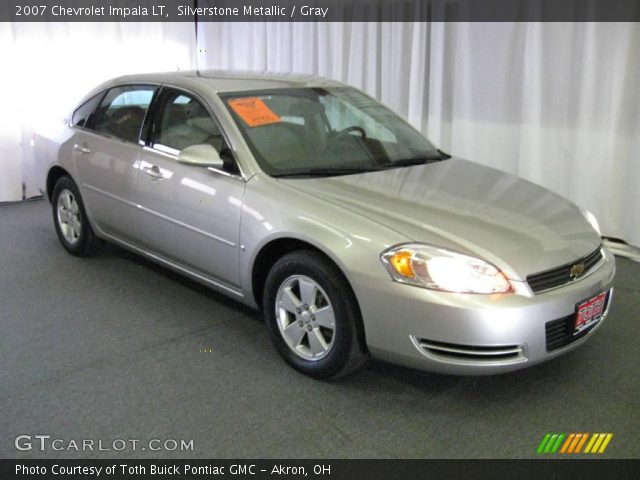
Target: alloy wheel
x=305, y=317
x=68, y=215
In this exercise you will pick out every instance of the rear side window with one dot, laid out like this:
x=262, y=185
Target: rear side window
x=82, y=116
x=122, y=111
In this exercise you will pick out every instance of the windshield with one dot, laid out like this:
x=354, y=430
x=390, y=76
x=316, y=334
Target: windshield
x=325, y=131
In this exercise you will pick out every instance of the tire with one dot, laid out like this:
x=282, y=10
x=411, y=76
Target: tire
x=307, y=296
x=70, y=218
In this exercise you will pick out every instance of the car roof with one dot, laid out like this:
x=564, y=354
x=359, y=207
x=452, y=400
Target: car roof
x=229, y=81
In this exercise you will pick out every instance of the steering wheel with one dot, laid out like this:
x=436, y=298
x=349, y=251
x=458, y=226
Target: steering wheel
x=348, y=130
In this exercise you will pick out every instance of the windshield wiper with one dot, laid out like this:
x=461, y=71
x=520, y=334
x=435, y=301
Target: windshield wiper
x=407, y=162
x=326, y=172
x=331, y=171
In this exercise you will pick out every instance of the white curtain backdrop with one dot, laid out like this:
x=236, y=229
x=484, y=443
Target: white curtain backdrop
x=48, y=67
x=556, y=103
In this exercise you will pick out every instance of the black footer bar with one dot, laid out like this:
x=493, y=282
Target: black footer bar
x=319, y=469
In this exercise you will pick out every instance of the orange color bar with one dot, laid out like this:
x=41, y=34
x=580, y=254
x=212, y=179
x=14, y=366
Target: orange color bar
x=584, y=439
x=574, y=443
x=567, y=442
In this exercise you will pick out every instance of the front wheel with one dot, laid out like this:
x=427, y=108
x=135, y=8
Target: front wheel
x=312, y=316
x=70, y=218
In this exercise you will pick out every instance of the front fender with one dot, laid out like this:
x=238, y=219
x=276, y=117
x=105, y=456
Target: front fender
x=274, y=211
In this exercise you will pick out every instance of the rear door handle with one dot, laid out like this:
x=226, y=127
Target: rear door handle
x=82, y=148
x=154, y=172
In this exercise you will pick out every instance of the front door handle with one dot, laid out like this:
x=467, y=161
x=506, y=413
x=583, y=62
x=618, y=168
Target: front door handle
x=82, y=148
x=154, y=172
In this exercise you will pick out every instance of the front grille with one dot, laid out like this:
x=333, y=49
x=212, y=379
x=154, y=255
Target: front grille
x=559, y=276
x=560, y=332
x=480, y=354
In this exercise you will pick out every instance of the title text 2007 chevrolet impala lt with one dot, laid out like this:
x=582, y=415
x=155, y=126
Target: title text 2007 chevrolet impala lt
x=354, y=235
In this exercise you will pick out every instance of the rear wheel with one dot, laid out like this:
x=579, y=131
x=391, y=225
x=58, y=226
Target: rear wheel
x=312, y=316
x=70, y=218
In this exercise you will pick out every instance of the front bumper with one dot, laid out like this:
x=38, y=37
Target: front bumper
x=466, y=334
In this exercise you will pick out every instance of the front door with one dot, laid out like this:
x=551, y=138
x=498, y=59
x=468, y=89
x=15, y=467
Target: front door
x=189, y=215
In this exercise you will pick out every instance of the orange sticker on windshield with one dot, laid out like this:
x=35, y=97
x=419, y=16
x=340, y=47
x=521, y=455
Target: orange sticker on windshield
x=253, y=111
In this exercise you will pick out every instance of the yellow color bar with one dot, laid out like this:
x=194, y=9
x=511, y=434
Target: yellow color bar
x=606, y=442
x=591, y=442
x=596, y=445
x=598, y=442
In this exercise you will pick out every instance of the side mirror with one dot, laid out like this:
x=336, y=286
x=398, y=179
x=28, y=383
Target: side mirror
x=201, y=156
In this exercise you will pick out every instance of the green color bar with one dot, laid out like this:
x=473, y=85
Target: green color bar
x=543, y=443
x=550, y=443
x=558, y=442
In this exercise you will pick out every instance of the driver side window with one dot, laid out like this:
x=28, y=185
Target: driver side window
x=182, y=121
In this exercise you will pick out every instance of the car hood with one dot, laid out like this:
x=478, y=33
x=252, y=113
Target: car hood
x=520, y=227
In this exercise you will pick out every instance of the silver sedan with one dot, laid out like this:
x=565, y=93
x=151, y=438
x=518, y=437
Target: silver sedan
x=353, y=234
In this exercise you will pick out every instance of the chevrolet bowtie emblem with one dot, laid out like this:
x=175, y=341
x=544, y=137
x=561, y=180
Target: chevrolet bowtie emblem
x=577, y=270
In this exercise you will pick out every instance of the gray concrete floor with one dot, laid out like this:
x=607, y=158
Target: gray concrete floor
x=111, y=347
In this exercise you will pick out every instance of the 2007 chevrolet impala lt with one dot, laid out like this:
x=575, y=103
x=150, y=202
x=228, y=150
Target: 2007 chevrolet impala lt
x=354, y=235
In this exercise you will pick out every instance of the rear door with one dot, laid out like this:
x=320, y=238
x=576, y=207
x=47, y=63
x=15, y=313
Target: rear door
x=189, y=215
x=106, y=148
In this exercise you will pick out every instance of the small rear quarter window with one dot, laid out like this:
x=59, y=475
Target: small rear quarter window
x=83, y=113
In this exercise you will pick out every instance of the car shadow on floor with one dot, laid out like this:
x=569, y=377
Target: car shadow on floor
x=562, y=370
x=107, y=251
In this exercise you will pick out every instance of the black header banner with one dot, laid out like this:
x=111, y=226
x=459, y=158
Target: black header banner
x=319, y=10
x=319, y=469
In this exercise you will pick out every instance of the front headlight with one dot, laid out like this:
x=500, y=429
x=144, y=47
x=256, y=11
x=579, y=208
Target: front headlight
x=440, y=269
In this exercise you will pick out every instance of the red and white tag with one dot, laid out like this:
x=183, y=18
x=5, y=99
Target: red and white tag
x=590, y=311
